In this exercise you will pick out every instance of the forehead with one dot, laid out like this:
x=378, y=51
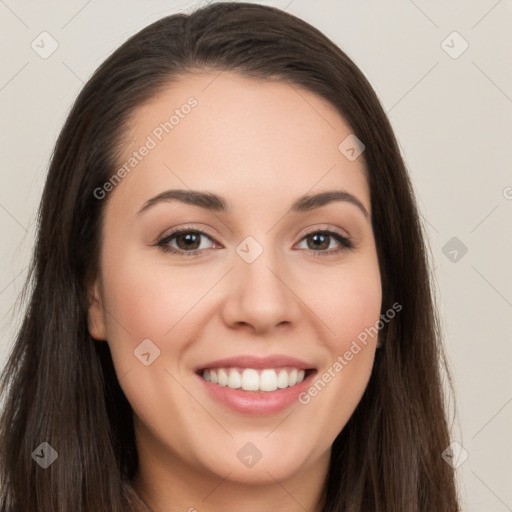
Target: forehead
x=255, y=141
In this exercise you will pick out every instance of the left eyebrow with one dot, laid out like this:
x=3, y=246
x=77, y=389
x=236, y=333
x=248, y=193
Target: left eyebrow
x=213, y=202
x=306, y=203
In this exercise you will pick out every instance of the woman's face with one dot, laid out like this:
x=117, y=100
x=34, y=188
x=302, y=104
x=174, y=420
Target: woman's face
x=254, y=293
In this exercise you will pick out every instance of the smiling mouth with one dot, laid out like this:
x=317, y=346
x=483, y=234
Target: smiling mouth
x=251, y=379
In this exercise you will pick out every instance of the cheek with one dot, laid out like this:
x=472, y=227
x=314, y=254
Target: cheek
x=352, y=312
x=359, y=305
x=349, y=302
x=148, y=301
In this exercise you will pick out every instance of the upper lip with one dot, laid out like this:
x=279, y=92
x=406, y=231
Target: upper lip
x=248, y=361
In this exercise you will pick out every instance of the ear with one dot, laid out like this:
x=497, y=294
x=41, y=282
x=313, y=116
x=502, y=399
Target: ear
x=95, y=313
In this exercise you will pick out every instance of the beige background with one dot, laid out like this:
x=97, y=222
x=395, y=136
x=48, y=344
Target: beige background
x=452, y=117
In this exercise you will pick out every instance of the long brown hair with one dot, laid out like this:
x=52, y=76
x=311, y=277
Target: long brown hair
x=59, y=385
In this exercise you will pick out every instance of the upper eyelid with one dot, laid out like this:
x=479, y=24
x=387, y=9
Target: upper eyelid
x=186, y=229
x=316, y=228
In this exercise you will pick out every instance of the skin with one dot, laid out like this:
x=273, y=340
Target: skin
x=260, y=145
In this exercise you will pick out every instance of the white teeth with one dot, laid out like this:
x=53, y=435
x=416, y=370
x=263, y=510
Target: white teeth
x=268, y=380
x=250, y=379
x=283, y=380
x=223, y=377
x=235, y=379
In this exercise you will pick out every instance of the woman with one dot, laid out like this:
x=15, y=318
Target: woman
x=230, y=306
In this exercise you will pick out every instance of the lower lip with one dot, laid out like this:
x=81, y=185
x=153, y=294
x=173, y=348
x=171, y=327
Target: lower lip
x=254, y=402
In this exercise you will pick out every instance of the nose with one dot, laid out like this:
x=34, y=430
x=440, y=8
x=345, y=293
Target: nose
x=260, y=295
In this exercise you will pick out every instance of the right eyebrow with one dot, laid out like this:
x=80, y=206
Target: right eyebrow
x=206, y=200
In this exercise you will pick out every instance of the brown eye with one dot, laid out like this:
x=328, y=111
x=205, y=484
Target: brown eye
x=189, y=240
x=184, y=242
x=319, y=242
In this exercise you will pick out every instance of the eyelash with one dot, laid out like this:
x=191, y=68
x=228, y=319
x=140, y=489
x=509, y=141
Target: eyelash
x=346, y=242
